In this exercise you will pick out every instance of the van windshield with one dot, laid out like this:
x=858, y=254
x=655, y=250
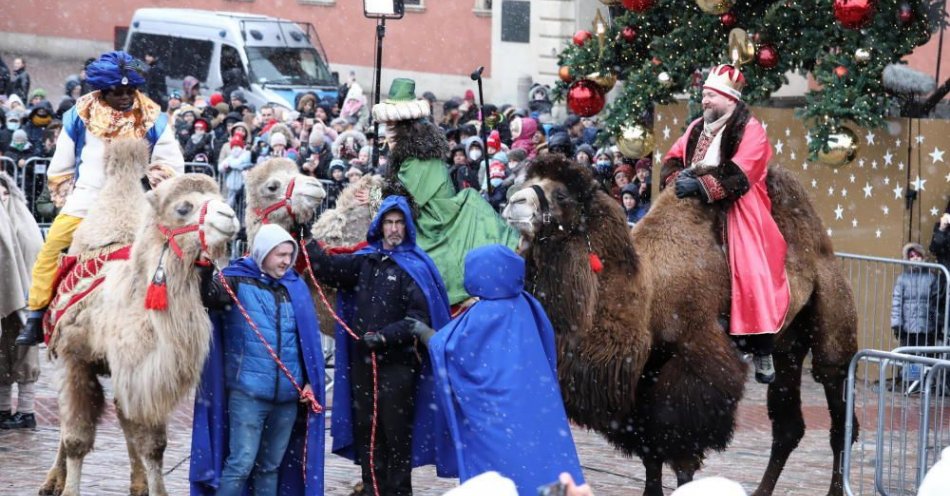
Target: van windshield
x=286, y=65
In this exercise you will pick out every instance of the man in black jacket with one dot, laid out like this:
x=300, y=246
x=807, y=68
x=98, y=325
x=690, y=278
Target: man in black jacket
x=155, y=86
x=392, y=289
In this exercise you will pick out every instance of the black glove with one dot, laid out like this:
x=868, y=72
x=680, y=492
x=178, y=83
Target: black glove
x=688, y=172
x=422, y=331
x=687, y=186
x=373, y=341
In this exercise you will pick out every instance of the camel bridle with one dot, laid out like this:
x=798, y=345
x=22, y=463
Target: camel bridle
x=262, y=214
x=542, y=204
x=171, y=234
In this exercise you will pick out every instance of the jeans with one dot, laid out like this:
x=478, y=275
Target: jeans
x=259, y=431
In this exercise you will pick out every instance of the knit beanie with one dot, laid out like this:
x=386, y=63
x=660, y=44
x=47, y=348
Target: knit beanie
x=278, y=139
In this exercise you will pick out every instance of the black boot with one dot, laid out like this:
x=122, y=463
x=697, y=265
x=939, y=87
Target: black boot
x=20, y=421
x=32, y=333
x=5, y=415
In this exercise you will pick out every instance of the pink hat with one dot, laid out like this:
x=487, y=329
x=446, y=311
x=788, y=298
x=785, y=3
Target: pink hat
x=216, y=98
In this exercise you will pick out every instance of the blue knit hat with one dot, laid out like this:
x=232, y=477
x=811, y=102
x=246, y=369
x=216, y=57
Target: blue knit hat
x=114, y=69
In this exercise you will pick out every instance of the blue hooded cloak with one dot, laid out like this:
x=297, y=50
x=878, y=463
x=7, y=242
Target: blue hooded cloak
x=209, y=438
x=431, y=442
x=496, y=374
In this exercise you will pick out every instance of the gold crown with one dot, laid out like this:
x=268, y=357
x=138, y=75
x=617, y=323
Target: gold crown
x=726, y=80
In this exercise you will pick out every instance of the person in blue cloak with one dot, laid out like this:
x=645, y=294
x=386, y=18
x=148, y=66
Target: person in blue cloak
x=388, y=292
x=252, y=428
x=496, y=379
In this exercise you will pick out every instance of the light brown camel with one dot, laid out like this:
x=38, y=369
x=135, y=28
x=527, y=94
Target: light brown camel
x=268, y=196
x=643, y=354
x=154, y=356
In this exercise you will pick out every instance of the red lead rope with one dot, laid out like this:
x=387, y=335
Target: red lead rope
x=326, y=303
x=315, y=406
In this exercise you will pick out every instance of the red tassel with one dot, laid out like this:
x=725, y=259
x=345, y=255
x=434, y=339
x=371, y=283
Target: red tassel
x=156, y=297
x=595, y=264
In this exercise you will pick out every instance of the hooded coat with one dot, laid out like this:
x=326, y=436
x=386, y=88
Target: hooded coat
x=496, y=372
x=914, y=301
x=209, y=439
x=523, y=141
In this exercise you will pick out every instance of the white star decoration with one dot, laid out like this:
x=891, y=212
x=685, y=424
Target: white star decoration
x=788, y=132
x=867, y=190
x=676, y=120
x=779, y=146
x=805, y=166
x=898, y=191
x=659, y=117
x=887, y=181
x=844, y=192
x=919, y=184
x=948, y=178
x=877, y=234
x=886, y=209
x=934, y=212
x=888, y=158
x=900, y=166
x=829, y=231
x=852, y=178
x=861, y=163
x=765, y=125
x=839, y=212
x=874, y=164
x=814, y=182
x=919, y=139
x=808, y=138
x=936, y=155
x=869, y=137
x=831, y=191
x=854, y=222
x=792, y=156
x=666, y=132
x=897, y=143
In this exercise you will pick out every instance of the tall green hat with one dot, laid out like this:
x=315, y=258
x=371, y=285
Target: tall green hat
x=402, y=104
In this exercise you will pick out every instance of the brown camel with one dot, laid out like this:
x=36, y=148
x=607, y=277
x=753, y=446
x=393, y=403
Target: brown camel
x=154, y=356
x=643, y=353
x=269, y=198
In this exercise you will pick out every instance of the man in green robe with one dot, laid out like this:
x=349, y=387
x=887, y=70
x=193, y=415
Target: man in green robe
x=449, y=224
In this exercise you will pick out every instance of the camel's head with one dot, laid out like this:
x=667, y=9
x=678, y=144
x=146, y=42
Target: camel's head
x=551, y=203
x=268, y=194
x=193, y=200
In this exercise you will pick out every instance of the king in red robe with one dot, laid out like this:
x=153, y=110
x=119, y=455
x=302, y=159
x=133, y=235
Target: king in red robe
x=723, y=159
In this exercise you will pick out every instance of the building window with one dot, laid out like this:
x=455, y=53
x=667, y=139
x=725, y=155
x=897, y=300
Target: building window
x=314, y=2
x=482, y=8
x=415, y=5
x=515, y=21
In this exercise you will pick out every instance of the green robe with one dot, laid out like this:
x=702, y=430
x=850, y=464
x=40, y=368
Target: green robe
x=450, y=224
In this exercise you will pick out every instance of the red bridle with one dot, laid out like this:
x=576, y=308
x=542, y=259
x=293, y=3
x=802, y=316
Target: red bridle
x=283, y=203
x=170, y=235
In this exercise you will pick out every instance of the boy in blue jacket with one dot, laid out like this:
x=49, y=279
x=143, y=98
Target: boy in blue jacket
x=252, y=425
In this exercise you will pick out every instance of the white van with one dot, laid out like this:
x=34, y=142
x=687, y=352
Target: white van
x=272, y=60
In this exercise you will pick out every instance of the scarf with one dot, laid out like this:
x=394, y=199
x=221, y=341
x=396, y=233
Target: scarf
x=106, y=123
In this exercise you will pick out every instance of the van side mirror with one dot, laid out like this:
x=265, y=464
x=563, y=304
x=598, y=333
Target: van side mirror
x=336, y=77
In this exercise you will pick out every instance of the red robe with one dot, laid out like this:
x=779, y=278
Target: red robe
x=760, y=291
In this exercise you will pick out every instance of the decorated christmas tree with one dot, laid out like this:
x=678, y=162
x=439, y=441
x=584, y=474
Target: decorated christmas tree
x=659, y=48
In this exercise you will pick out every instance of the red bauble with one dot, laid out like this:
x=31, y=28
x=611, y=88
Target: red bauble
x=905, y=14
x=766, y=57
x=728, y=20
x=581, y=37
x=854, y=14
x=638, y=6
x=841, y=71
x=585, y=98
x=629, y=34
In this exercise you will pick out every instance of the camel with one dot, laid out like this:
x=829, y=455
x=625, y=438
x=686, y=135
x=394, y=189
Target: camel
x=154, y=356
x=644, y=357
x=270, y=199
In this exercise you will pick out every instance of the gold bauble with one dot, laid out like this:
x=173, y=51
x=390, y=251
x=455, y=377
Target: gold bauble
x=741, y=48
x=862, y=55
x=715, y=7
x=635, y=141
x=605, y=80
x=842, y=148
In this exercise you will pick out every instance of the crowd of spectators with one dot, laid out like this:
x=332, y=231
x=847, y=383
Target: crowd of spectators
x=330, y=139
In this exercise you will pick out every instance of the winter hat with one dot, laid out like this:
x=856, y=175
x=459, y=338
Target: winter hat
x=237, y=141
x=449, y=106
x=19, y=136
x=402, y=103
x=625, y=170
x=501, y=157
x=354, y=170
x=517, y=155
x=222, y=108
x=277, y=139
x=317, y=137
x=202, y=123
x=644, y=163
x=912, y=247
x=38, y=92
x=494, y=140
x=496, y=170
x=571, y=121
x=239, y=96
x=630, y=189
x=470, y=95
x=589, y=150
x=232, y=117
x=215, y=99
x=337, y=164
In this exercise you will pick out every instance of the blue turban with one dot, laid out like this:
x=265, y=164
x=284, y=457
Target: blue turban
x=115, y=69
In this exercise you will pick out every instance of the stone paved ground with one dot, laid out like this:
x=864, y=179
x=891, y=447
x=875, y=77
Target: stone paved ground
x=25, y=455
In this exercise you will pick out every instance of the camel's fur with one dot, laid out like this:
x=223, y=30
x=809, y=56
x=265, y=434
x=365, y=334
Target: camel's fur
x=266, y=185
x=155, y=357
x=644, y=357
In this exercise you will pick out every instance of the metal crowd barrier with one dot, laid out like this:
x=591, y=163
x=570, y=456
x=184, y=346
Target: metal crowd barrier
x=9, y=166
x=902, y=430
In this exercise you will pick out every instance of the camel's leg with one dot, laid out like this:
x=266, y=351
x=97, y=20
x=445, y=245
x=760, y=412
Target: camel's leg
x=834, y=343
x=56, y=477
x=654, y=482
x=150, y=442
x=685, y=469
x=80, y=405
x=785, y=411
x=139, y=483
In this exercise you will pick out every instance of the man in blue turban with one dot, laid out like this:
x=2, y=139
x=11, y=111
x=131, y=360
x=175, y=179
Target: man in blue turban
x=496, y=379
x=76, y=173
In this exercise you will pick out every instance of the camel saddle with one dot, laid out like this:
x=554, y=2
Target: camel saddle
x=77, y=277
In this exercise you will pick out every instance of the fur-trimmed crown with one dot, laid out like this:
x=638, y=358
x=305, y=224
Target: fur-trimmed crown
x=727, y=80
